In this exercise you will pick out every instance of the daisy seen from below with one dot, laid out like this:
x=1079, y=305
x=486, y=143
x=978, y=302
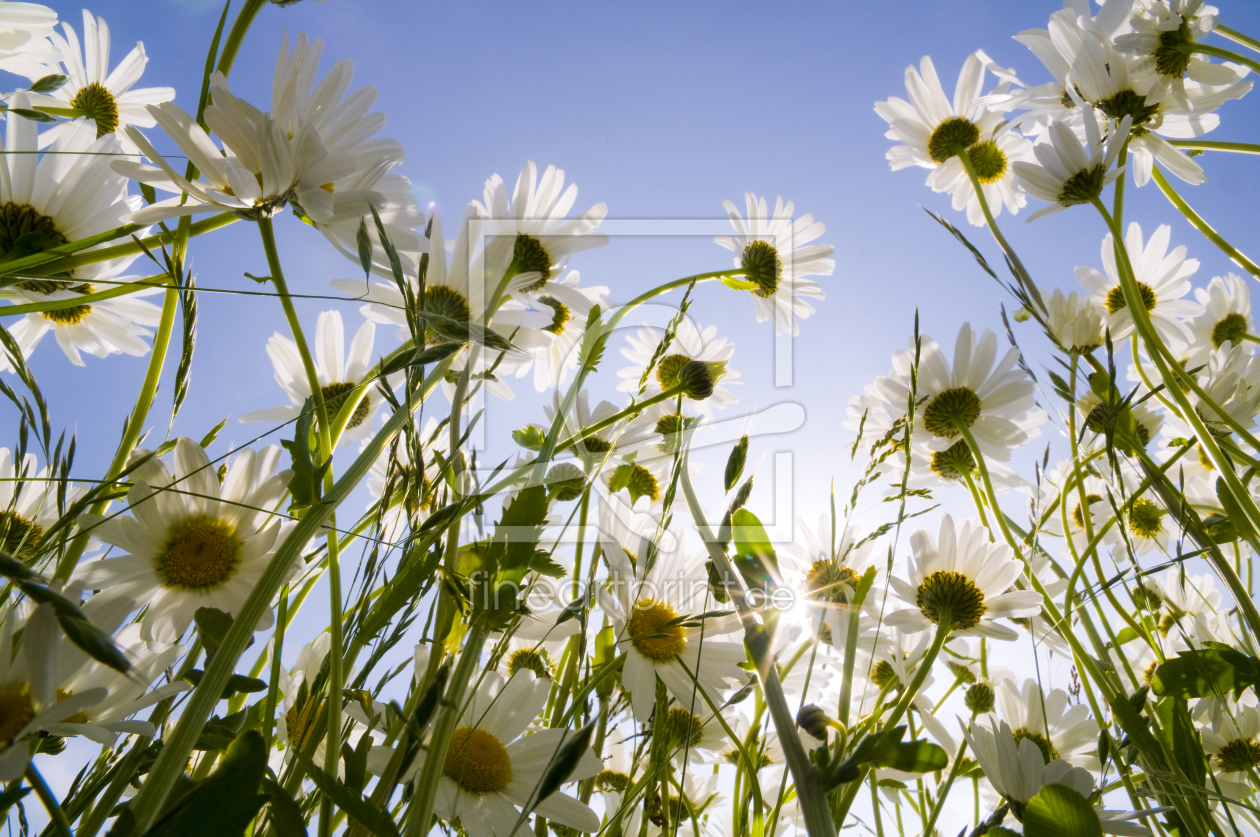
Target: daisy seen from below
x=492, y=767
x=105, y=97
x=191, y=542
x=530, y=231
x=1163, y=280
x=1234, y=746
x=341, y=371
x=1067, y=173
x=1226, y=317
x=697, y=360
x=28, y=505
x=935, y=131
x=962, y=581
x=569, y=305
x=655, y=615
x=1073, y=323
x=64, y=195
x=773, y=251
x=25, y=48
x=29, y=702
x=989, y=396
x=1060, y=729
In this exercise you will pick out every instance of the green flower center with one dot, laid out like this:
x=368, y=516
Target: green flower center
x=16, y=712
x=668, y=368
x=19, y=536
x=1128, y=103
x=611, y=780
x=962, y=672
x=478, y=761
x=1231, y=328
x=682, y=729
x=335, y=395
x=1083, y=186
x=594, y=444
x=979, y=698
x=1048, y=753
x=1173, y=54
x=1146, y=519
x=762, y=265
x=950, y=411
x=561, y=317
x=201, y=553
x=988, y=160
x=534, y=660
x=529, y=256
x=1147, y=597
x=1115, y=298
x=947, y=597
x=952, y=137
x=25, y=232
x=653, y=631
x=733, y=756
x=829, y=582
x=671, y=428
x=446, y=302
x=885, y=676
x=636, y=479
x=566, y=482
x=97, y=104
x=1239, y=754
x=1078, y=514
x=953, y=463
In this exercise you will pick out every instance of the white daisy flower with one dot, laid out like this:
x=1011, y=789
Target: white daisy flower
x=963, y=577
x=28, y=504
x=1163, y=279
x=540, y=237
x=1075, y=324
x=67, y=194
x=1146, y=524
x=649, y=612
x=1093, y=416
x=129, y=693
x=825, y=567
x=191, y=542
x=1017, y=769
x=640, y=477
x=1226, y=317
x=773, y=250
x=25, y=48
x=991, y=396
x=492, y=768
x=340, y=371
x=29, y=679
x=936, y=130
x=1234, y=747
x=105, y=97
x=1068, y=173
x=557, y=345
x=1165, y=32
x=1060, y=729
x=696, y=358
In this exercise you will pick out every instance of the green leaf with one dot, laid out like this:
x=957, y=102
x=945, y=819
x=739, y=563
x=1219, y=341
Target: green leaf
x=543, y=564
x=362, y=810
x=286, y=815
x=530, y=437
x=306, y=484
x=754, y=555
x=1236, y=515
x=419, y=357
x=1187, y=746
x=49, y=83
x=212, y=627
x=735, y=463
x=464, y=331
x=33, y=115
x=510, y=554
x=911, y=756
x=739, y=284
x=225, y=802
x=565, y=761
x=1059, y=811
x=208, y=439
x=364, y=242
x=237, y=683
x=1206, y=672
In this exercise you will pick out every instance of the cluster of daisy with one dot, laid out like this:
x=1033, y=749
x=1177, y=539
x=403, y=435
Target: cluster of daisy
x=1131, y=557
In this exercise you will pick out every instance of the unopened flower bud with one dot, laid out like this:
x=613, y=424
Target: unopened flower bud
x=566, y=482
x=979, y=698
x=699, y=378
x=814, y=721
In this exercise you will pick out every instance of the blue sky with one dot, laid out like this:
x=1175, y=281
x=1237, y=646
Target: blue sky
x=660, y=111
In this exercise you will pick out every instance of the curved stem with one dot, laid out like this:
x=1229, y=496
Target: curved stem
x=632, y=410
x=1213, y=145
x=1237, y=37
x=1021, y=273
x=237, y=35
x=49, y=801
x=925, y=667
x=1228, y=55
x=1203, y=226
x=86, y=299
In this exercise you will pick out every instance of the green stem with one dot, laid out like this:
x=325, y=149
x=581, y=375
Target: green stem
x=1021, y=272
x=1228, y=55
x=632, y=410
x=421, y=812
x=237, y=35
x=277, y=649
x=86, y=299
x=1213, y=145
x=1237, y=37
x=925, y=667
x=51, y=805
x=1202, y=226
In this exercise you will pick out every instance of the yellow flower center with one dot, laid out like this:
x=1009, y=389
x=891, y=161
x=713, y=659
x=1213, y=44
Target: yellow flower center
x=988, y=160
x=1239, y=754
x=950, y=410
x=335, y=395
x=201, y=553
x=1231, y=328
x=1048, y=753
x=946, y=596
x=16, y=711
x=19, y=536
x=829, y=582
x=953, y=136
x=478, y=761
x=530, y=256
x=653, y=633
x=1115, y=298
x=636, y=479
